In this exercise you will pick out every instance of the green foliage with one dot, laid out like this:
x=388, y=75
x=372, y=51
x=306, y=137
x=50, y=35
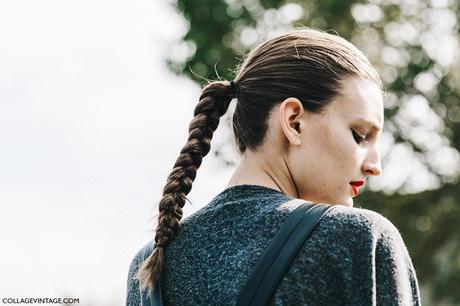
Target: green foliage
x=401, y=39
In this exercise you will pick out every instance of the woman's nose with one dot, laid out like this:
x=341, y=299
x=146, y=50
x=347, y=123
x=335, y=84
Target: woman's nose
x=372, y=165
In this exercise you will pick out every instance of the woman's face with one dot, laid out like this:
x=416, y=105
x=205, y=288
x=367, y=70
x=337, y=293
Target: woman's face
x=327, y=151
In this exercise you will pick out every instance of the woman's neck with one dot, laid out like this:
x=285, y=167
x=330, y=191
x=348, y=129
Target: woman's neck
x=255, y=170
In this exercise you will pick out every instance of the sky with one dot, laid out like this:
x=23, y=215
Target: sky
x=91, y=122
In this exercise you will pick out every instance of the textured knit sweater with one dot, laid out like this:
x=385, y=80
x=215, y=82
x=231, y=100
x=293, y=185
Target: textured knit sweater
x=353, y=256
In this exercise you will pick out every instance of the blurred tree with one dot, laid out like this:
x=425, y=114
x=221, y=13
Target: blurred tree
x=414, y=46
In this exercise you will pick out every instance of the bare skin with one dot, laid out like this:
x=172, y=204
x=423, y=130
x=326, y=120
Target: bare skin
x=314, y=157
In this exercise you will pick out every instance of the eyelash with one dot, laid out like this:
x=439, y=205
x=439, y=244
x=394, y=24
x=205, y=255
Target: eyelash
x=358, y=138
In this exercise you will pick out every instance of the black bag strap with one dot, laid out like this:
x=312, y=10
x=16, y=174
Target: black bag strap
x=262, y=284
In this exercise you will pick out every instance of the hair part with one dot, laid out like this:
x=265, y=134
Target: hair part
x=305, y=63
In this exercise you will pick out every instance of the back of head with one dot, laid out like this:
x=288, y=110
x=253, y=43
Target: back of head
x=304, y=63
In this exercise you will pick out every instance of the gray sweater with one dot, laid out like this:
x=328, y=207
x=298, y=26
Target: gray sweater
x=354, y=256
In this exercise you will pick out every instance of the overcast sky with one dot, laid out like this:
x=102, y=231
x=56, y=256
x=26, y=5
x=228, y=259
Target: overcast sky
x=91, y=122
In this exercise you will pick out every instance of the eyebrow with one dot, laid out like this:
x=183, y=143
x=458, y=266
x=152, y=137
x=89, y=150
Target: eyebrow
x=374, y=124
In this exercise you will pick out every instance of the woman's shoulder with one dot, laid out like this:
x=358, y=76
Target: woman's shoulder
x=133, y=293
x=356, y=254
x=345, y=217
x=358, y=227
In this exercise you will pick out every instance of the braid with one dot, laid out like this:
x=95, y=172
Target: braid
x=214, y=102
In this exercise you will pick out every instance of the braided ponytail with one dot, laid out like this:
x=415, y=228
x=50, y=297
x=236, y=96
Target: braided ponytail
x=214, y=102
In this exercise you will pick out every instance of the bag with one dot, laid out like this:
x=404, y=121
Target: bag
x=262, y=284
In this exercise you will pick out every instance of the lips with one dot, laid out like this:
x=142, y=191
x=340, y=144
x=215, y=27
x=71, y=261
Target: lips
x=355, y=185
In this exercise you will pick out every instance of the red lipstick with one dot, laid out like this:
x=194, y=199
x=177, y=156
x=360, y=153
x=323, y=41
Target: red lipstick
x=355, y=185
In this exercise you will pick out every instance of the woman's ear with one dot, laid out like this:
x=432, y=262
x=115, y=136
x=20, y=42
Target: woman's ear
x=290, y=116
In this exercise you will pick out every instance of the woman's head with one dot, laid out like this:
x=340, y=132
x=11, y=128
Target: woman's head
x=306, y=64
x=301, y=94
x=315, y=156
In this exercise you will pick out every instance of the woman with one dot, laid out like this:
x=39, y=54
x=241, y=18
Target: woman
x=308, y=116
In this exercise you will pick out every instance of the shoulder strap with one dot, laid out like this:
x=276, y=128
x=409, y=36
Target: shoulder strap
x=275, y=261
x=155, y=298
x=262, y=284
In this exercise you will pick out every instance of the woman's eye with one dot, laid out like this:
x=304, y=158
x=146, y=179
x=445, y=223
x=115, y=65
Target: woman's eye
x=359, y=139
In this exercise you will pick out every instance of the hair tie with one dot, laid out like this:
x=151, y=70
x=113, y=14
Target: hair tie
x=234, y=88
